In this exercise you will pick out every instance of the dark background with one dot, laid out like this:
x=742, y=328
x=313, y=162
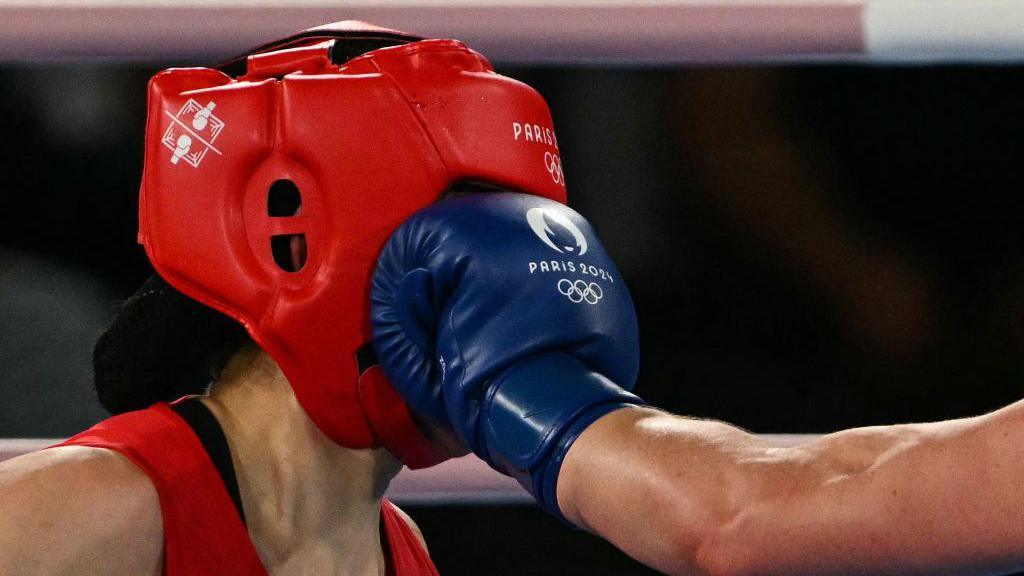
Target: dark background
x=809, y=248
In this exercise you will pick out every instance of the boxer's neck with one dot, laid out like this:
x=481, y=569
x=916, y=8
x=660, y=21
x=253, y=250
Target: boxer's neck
x=312, y=506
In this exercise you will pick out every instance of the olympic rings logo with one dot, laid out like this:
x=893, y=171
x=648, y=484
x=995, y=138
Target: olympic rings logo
x=580, y=291
x=554, y=166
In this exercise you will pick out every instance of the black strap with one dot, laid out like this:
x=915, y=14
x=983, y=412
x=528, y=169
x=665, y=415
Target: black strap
x=366, y=358
x=350, y=44
x=211, y=436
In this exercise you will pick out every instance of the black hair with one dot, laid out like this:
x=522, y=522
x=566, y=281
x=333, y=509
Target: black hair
x=163, y=345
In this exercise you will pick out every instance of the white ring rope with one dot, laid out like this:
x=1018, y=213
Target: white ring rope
x=461, y=481
x=535, y=31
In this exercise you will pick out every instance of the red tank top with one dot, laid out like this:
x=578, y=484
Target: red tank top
x=203, y=532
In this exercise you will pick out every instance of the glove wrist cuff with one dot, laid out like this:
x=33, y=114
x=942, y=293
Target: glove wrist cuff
x=534, y=411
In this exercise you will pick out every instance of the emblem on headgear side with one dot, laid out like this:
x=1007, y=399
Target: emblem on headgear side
x=192, y=132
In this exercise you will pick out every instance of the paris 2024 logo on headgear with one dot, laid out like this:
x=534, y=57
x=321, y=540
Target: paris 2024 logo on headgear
x=554, y=229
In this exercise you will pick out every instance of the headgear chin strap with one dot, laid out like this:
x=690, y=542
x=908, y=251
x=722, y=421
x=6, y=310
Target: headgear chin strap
x=315, y=151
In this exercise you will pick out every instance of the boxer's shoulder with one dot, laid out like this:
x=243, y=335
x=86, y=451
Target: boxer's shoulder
x=63, y=476
x=80, y=510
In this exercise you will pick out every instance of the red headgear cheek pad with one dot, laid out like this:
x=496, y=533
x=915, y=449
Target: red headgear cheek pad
x=366, y=143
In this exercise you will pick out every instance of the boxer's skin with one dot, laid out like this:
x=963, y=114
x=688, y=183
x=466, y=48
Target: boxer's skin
x=312, y=506
x=701, y=497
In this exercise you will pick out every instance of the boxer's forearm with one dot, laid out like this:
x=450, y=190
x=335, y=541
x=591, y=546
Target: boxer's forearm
x=659, y=486
x=941, y=498
x=697, y=497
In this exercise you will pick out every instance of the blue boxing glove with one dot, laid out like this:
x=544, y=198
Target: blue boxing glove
x=501, y=316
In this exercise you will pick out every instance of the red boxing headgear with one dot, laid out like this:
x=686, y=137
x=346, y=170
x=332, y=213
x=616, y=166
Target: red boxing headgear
x=366, y=141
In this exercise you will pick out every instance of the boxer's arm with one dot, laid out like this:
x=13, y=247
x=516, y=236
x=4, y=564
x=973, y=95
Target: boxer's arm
x=700, y=497
x=78, y=511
